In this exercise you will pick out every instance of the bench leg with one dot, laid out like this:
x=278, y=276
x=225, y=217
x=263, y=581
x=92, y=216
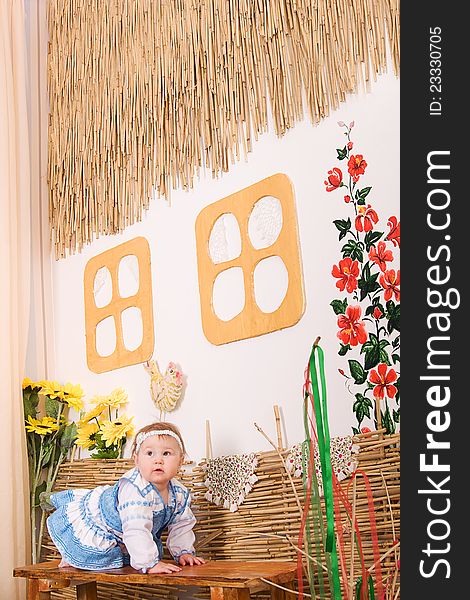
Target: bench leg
x=223, y=593
x=34, y=592
x=87, y=591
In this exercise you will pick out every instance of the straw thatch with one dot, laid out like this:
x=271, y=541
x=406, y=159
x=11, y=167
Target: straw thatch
x=269, y=513
x=145, y=94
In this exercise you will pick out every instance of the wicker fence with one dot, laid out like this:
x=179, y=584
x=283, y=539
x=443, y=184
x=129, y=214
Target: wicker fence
x=266, y=526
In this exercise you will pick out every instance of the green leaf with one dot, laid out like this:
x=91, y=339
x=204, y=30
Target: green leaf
x=339, y=306
x=371, y=238
x=395, y=358
x=68, y=437
x=106, y=453
x=52, y=406
x=357, y=372
x=356, y=431
x=393, y=316
x=375, y=352
x=354, y=250
x=344, y=349
x=47, y=453
x=342, y=153
x=396, y=415
x=367, y=283
x=362, y=407
x=342, y=226
x=397, y=395
x=30, y=404
x=388, y=422
x=396, y=341
x=361, y=195
x=40, y=488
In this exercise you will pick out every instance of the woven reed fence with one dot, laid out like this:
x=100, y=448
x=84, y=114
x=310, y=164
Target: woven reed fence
x=143, y=95
x=268, y=517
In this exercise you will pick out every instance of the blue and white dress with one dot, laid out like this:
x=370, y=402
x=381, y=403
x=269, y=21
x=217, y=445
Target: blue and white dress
x=113, y=526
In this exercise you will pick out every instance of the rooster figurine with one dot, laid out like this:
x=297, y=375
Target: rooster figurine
x=165, y=389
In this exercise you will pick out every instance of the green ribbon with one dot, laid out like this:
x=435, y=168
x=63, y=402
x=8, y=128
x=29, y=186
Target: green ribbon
x=359, y=588
x=323, y=435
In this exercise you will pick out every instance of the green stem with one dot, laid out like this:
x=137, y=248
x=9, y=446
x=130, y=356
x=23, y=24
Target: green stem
x=34, y=484
x=54, y=469
x=33, y=527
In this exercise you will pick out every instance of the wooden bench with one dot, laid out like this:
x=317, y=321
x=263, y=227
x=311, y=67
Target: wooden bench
x=227, y=579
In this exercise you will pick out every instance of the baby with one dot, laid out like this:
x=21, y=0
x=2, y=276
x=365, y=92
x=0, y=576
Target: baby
x=113, y=526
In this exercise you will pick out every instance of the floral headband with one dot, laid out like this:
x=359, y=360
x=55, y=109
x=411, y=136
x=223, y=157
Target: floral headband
x=141, y=437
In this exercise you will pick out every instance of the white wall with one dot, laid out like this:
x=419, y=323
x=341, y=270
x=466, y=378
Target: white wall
x=236, y=384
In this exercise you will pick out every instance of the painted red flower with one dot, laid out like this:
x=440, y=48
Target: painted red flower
x=380, y=255
x=350, y=145
x=365, y=430
x=394, y=233
x=383, y=380
x=352, y=329
x=347, y=271
x=366, y=218
x=390, y=281
x=377, y=313
x=335, y=179
x=347, y=199
x=356, y=166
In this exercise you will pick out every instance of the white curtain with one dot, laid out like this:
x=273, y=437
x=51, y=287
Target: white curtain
x=15, y=239
x=25, y=272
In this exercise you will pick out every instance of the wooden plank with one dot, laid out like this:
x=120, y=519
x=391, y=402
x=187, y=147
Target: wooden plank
x=220, y=573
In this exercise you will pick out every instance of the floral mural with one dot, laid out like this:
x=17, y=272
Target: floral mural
x=368, y=309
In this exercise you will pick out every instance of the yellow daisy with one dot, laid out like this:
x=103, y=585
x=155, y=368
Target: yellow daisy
x=41, y=426
x=27, y=382
x=94, y=412
x=116, y=399
x=52, y=389
x=113, y=431
x=84, y=433
x=72, y=395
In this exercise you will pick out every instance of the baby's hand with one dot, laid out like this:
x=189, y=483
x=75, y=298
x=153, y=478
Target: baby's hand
x=162, y=567
x=189, y=559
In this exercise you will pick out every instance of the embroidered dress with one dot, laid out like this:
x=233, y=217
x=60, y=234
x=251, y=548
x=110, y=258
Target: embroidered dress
x=113, y=526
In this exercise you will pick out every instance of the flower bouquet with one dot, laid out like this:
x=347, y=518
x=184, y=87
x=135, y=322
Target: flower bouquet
x=102, y=430
x=49, y=438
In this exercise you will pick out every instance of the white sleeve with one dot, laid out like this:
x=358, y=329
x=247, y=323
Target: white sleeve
x=137, y=520
x=181, y=537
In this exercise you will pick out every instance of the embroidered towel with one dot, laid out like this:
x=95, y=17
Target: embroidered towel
x=343, y=461
x=229, y=479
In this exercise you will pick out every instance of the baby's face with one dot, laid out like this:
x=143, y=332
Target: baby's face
x=158, y=459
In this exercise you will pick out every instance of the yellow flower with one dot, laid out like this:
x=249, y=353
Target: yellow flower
x=42, y=427
x=72, y=395
x=28, y=383
x=84, y=433
x=52, y=389
x=115, y=399
x=94, y=412
x=113, y=431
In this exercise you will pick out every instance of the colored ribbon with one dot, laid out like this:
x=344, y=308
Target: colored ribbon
x=323, y=437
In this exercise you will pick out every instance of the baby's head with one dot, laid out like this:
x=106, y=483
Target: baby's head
x=158, y=451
